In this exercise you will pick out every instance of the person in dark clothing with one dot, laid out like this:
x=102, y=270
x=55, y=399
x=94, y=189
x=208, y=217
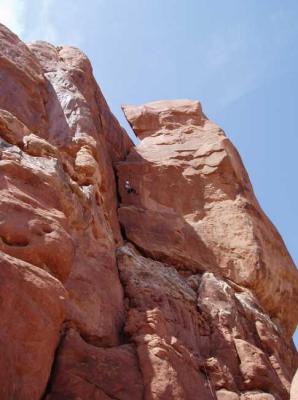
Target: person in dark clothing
x=128, y=187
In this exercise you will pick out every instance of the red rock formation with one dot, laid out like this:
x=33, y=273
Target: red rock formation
x=195, y=302
x=196, y=208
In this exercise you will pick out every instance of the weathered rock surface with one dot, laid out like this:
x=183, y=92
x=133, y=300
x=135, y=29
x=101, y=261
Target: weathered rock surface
x=58, y=195
x=25, y=95
x=89, y=372
x=200, y=334
x=32, y=311
x=195, y=207
x=194, y=298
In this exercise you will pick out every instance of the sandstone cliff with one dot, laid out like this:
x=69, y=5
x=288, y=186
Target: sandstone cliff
x=181, y=289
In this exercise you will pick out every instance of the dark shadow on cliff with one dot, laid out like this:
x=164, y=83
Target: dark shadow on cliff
x=160, y=232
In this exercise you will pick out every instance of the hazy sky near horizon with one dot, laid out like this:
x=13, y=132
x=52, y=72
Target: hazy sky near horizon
x=239, y=58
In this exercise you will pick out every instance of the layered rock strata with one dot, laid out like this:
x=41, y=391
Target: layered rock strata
x=178, y=289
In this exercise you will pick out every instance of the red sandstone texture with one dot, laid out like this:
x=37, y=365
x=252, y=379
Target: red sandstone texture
x=180, y=289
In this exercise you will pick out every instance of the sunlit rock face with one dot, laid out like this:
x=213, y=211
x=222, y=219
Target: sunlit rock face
x=179, y=288
x=58, y=206
x=201, y=333
x=195, y=207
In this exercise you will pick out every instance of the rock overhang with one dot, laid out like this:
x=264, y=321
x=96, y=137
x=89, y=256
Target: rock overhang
x=149, y=118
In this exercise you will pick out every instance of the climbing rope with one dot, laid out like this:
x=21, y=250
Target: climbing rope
x=209, y=383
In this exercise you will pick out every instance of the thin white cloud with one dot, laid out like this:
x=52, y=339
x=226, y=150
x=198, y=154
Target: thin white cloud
x=222, y=47
x=44, y=27
x=16, y=14
x=12, y=15
x=48, y=31
x=55, y=22
x=239, y=58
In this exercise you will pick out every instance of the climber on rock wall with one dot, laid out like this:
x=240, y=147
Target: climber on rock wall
x=128, y=187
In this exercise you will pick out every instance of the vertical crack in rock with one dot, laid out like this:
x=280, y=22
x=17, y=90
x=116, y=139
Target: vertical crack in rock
x=165, y=346
x=194, y=208
x=50, y=382
x=125, y=334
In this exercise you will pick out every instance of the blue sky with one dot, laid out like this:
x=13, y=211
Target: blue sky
x=239, y=58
